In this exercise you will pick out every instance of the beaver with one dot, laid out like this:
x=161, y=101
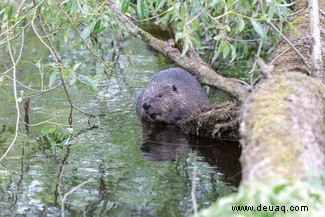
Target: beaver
x=170, y=97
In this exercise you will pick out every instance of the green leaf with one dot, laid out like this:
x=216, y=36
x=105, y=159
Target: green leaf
x=186, y=45
x=125, y=5
x=142, y=9
x=241, y=24
x=75, y=66
x=97, y=26
x=86, y=32
x=85, y=8
x=102, y=28
x=10, y=12
x=160, y=4
x=178, y=36
x=52, y=78
x=65, y=73
x=73, y=7
x=272, y=9
x=233, y=52
x=91, y=83
x=196, y=42
x=258, y=28
x=222, y=47
x=218, y=37
x=73, y=77
x=226, y=51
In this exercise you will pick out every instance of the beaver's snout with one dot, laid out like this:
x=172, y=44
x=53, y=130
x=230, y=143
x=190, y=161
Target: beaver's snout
x=152, y=116
x=145, y=106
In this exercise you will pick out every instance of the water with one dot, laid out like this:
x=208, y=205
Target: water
x=123, y=170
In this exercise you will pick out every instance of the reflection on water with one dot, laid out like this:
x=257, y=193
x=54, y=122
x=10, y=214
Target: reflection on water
x=166, y=144
x=163, y=144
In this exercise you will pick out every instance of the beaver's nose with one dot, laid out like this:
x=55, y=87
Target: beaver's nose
x=145, y=105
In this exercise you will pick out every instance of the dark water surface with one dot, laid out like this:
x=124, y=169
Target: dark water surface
x=125, y=171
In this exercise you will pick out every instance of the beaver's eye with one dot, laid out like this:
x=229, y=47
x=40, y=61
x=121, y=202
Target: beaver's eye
x=160, y=95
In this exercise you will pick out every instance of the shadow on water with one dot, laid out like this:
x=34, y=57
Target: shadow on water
x=167, y=144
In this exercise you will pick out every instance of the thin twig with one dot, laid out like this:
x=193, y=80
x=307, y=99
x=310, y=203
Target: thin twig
x=60, y=63
x=257, y=56
x=282, y=53
x=85, y=43
x=288, y=41
x=194, y=176
x=64, y=197
x=14, y=89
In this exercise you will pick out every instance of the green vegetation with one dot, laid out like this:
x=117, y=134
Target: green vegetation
x=287, y=198
x=227, y=33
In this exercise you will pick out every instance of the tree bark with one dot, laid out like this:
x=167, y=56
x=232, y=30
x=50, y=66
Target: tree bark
x=283, y=128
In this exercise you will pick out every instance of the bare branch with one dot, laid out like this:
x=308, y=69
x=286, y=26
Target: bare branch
x=194, y=177
x=288, y=41
x=316, y=52
x=14, y=63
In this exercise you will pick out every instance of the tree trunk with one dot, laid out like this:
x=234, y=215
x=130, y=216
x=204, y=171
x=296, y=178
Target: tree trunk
x=283, y=128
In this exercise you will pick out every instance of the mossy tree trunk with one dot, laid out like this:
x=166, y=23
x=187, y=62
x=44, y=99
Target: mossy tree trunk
x=283, y=128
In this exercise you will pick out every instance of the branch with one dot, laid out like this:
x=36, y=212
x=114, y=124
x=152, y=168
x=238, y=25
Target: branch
x=14, y=83
x=291, y=45
x=194, y=177
x=194, y=64
x=316, y=52
x=57, y=58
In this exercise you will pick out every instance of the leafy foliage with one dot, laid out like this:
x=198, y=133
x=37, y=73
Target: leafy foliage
x=224, y=30
x=76, y=23
x=60, y=136
x=286, y=198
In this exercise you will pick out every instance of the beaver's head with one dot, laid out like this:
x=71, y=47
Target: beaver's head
x=161, y=103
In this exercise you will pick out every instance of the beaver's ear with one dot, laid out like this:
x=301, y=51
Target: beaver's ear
x=174, y=88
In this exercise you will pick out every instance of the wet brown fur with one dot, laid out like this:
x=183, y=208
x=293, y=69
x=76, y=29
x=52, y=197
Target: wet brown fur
x=171, y=97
